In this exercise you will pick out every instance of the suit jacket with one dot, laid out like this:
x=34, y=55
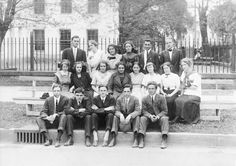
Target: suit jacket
x=109, y=101
x=176, y=58
x=86, y=103
x=49, y=106
x=133, y=107
x=151, y=57
x=159, y=106
x=115, y=84
x=68, y=54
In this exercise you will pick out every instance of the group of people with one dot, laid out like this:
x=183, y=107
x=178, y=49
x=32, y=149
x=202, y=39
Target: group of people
x=126, y=92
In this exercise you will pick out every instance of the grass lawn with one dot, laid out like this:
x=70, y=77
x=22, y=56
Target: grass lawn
x=13, y=116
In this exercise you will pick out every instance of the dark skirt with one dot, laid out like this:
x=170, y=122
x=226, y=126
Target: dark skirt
x=171, y=104
x=188, y=108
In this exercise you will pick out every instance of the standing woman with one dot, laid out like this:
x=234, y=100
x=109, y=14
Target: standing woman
x=118, y=81
x=81, y=79
x=137, y=79
x=188, y=104
x=112, y=58
x=94, y=56
x=170, y=83
x=150, y=76
x=101, y=77
x=129, y=57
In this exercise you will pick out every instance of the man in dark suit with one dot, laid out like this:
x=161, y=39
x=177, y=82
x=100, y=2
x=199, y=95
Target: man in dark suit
x=103, y=109
x=74, y=54
x=148, y=55
x=127, y=114
x=172, y=55
x=154, y=109
x=53, y=115
x=79, y=107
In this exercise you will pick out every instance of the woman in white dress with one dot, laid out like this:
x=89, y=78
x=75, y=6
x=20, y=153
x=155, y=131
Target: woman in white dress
x=101, y=76
x=137, y=79
x=112, y=58
x=150, y=76
x=94, y=57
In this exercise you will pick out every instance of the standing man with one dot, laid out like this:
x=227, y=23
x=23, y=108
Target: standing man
x=79, y=109
x=127, y=114
x=154, y=109
x=74, y=54
x=148, y=55
x=172, y=55
x=53, y=115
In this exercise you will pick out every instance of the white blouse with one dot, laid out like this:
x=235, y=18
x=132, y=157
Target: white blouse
x=171, y=81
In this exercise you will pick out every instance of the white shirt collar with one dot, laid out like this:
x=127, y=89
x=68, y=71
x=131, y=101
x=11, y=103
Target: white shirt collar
x=57, y=99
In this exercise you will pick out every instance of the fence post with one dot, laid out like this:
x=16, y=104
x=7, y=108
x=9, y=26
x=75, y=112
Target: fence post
x=31, y=52
x=233, y=56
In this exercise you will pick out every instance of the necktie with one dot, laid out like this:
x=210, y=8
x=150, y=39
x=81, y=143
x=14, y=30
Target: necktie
x=126, y=105
x=152, y=100
x=145, y=58
x=75, y=52
x=56, y=105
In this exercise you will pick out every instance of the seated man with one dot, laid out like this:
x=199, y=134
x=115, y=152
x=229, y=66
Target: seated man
x=127, y=114
x=154, y=109
x=103, y=109
x=53, y=115
x=79, y=107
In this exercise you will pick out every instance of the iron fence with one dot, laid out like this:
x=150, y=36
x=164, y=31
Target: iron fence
x=25, y=54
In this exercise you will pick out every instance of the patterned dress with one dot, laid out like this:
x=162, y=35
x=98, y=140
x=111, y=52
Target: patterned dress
x=137, y=80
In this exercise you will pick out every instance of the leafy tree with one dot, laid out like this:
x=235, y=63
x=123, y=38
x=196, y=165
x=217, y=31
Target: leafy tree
x=222, y=20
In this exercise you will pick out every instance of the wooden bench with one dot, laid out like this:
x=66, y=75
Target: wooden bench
x=217, y=103
x=34, y=80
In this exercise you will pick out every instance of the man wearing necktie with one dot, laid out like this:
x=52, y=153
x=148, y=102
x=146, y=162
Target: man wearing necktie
x=148, y=55
x=74, y=54
x=53, y=115
x=172, y=55
x=154, y=109
x=103, y=109
x=127, y=114
x=79, y=111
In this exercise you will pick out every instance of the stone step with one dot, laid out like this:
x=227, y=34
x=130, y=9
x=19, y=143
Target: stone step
x=152, y=139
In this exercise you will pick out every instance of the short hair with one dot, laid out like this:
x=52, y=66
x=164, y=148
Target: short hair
x=128, y=86
x=84, y=68
x=112, y=45
x=79, y=90
x=102, y=85
x=75, y=36
x=148, y=40
x=188, y=61
x=65, y=62
x=55, y=85
x=93, y=42
x=120, y=63
x=153, y=83
x=166, y=64
x=105, y=62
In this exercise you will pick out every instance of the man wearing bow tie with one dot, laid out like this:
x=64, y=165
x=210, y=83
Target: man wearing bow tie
x=53, y=115
x=154, y=109
x=172, y=55
x=148, y=55
x=74, y=54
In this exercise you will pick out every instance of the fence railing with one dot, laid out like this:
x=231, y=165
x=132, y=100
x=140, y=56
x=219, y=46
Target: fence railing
x=26, y=54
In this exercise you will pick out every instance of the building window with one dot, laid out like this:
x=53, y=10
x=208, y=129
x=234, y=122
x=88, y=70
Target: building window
x=39, y=39
x=65, y=38
x=39, y=6
x=93, y=6
x=66, y=6
x=92, y=34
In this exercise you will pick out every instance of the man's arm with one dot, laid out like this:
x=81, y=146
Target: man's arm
x=45, y=112
x=137, y=110
x=163, y=107
x=145, y=108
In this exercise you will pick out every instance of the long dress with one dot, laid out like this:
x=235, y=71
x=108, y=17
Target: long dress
x=188, y=104
x=63, y=78
x=137, y=80
x=100, y=79
x=169, y=84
